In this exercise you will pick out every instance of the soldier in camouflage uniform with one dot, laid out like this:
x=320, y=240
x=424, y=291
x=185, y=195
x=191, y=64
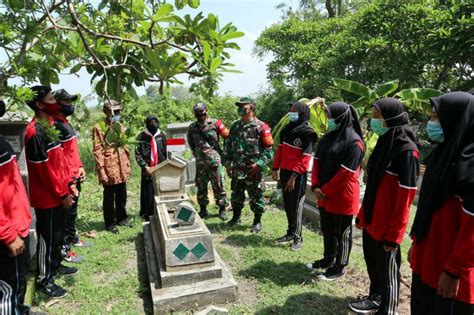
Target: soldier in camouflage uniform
x=247, y=150
x=203, y=139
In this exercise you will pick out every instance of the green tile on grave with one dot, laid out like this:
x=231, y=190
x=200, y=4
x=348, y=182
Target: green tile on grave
x=199, y=250
x=184, y=214
x=181, y=251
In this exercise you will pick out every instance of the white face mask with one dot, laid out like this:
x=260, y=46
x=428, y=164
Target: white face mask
x=293, y=116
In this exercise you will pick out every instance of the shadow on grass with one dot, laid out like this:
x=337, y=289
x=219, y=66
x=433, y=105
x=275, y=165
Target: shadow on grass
x=252, y=240
x=311, y=303
x=284, y=274
x=142, y=267
x=85, y=225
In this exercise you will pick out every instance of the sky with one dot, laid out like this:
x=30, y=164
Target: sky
x=250, y=17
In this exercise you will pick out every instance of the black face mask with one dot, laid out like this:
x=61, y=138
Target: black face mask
x=67, y=110
x=2, y=108
x=152, y=129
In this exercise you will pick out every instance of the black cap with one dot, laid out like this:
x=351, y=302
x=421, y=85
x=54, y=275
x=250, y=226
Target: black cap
x=199, y=107
x=63, y=95
x=40, y=91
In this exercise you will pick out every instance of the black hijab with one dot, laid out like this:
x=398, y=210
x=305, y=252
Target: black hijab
x=300, y=127
x=450, y=167
x=333, y=148
x=399, y=138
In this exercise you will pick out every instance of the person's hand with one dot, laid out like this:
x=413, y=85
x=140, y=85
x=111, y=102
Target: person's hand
x=319, y=194
x=254, y=169
x=447, y=286
x=148, y=171
x=388, y=248
x=82, y=174
x=67, y=202
x=16, y=247
x=74, y=190
x=230, y=171
x=275, y=175
x=290, y=184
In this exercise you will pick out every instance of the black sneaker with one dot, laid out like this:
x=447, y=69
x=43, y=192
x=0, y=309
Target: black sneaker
x=53, y=290
x=365, y=305
x=113, y=229
x=284, y=239
x=125, y=223
x=297, y=244
x=320, y=264
x=233, y=222
x=332, y=273
x=256, y=228
x=66, y=271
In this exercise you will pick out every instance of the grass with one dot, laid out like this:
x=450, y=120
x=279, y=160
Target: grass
x=272, y=279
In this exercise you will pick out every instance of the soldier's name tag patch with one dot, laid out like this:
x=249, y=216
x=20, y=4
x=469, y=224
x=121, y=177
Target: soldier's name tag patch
x=297, y=142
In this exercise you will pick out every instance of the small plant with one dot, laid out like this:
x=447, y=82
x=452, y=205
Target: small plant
x=115, y=137
x=50, y=130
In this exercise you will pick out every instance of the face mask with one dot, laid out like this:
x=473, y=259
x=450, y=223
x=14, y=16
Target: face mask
x=377, y=126
x=293, y=116
x=115, y=118
x=332, y=124
x=67, y=110
x=52, y=108
x=434, y=131
x=241, y=111
x=152, y=129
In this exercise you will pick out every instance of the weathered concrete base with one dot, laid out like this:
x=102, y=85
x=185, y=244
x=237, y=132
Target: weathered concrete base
x=189, y=289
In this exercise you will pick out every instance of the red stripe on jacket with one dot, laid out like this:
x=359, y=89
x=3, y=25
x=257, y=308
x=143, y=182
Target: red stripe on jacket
x=449, y=246
x=15, y=216
x=48, y=177
x=342, y=190
x=391, y=209
x=291, y=158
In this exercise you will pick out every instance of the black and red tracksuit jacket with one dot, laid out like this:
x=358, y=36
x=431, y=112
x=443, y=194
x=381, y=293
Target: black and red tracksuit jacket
x=293, y=155
x=395, y=193
x=15, y=216
x=47, y=168
x=449, y=246
x=68, y=141
x=343, y=190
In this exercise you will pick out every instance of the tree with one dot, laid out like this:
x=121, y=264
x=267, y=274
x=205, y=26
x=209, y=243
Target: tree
x=122, y=44
x=423, y=44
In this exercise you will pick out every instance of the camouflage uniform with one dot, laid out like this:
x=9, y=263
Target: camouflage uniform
x=208, y=159
x=247, y=144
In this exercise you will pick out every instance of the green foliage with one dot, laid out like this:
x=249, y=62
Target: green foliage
x=422, y=44
x=50, y=130
x=122, y=44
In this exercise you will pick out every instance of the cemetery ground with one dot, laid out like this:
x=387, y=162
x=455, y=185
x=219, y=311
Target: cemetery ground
x=272, y=279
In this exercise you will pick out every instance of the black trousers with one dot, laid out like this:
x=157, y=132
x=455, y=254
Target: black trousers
x=426, y=301
x=71, y=236
x=147, y=197
x=115, y=200
x=337, y=236
x=384, y=272
x=49, y=226
x=13, y=280
x=293, y=201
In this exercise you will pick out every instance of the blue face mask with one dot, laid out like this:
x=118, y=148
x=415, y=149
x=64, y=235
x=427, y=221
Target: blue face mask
x=293, y=116
x=332, y=124
x=67, y=110
x=434, y=131
x=377, y=126
x=115, y=118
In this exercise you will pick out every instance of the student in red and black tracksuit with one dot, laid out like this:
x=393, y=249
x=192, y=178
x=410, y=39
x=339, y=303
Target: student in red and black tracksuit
x=392, y=173
x=442, y=256
x=292, y=158
x=51, y=190
x=150, y=152
x=75, y=166
x=15, y=220
x=335, y=181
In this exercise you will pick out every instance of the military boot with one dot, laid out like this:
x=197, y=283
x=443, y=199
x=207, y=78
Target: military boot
x=203, y=213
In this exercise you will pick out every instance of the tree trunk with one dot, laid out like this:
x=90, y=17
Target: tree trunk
x=330, y=9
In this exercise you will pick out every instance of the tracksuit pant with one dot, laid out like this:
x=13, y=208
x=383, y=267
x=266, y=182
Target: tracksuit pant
x=147, y=197
x=293, y=201
x=425, y=300
x=49, y=226
x=114, y=202
x=13, y=280
x=383, y=268
x=337, y=236
x=71, y=236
